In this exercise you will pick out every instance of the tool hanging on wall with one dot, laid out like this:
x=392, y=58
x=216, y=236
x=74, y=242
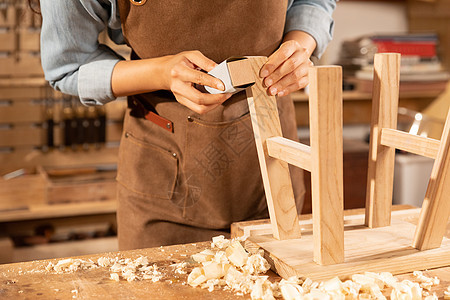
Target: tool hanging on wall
x=66, y=124
x=101, y=128
x=48, y=125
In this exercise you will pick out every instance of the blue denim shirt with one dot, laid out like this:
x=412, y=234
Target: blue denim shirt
x=76, y=64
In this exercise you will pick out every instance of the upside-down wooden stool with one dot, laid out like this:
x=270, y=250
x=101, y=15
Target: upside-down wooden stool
x=374, y=243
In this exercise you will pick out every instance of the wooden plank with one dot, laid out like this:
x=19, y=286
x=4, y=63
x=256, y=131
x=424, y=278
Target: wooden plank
x=30, y=158
x=23, y=92
x=380, y=177
x=9, y=40
x=409, y=142
x=275, y=173
x=80, y=184
x=29, y=40
x=21, y=83
x=21, y=111
x=26, y=65
x=325, y=119
x=292, y=152
x=14, y=196
x=32, y=279
x=21, y=135
x=35, y=212
x=383, y=249
x=436, y=205
x=247, y=228
x=7, y=15
x=35, y=282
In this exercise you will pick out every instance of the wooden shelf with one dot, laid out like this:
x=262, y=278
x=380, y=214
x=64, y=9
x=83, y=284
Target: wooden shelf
x=58, y=211
x=355, y=95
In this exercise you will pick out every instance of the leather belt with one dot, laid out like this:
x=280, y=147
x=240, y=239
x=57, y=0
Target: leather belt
x=138, y=110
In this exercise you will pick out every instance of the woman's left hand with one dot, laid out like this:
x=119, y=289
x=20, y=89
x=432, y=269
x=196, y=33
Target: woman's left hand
x=286, y=70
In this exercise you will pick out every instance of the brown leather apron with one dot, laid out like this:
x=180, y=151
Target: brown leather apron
x=190, y=183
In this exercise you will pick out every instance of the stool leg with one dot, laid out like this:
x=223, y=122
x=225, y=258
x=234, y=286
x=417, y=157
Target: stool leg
x=436, y=205
x=325, y=106
x=275, y=173
x=380, y=177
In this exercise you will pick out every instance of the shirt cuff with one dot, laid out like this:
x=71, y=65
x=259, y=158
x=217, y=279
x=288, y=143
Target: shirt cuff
x=314, y=21
x=94, y=82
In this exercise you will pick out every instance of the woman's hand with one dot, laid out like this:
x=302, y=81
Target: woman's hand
x=181, y=72
x=286, y=70
x=177, y=73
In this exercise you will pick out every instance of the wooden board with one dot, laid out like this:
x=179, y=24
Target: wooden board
x=7, y=16
x=35, y=212
x=14, y=196
x=31, y=158
x=83, y=185
x=30, y=280
x=8, y=39
x=380, y=249
x=27, y=65
x=29, y=40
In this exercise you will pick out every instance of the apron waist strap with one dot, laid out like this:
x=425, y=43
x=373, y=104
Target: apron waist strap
x=138, y=110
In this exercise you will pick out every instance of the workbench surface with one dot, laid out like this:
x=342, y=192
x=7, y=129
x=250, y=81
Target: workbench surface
x=31, y=280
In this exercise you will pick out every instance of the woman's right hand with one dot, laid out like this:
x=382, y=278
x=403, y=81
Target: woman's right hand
x=180, y=74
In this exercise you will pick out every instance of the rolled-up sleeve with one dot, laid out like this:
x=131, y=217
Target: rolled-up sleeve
x=73, y=60
x=313, y=17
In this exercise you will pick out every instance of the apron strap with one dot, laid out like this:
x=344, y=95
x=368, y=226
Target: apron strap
x=138, y=110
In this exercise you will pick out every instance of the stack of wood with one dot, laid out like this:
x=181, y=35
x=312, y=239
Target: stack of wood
x=39, y=126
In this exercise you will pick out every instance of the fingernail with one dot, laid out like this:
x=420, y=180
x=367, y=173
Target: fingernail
x=273, y=91
x=221, y=87
x=264, y=73
x=281, y=94
x=269, y=82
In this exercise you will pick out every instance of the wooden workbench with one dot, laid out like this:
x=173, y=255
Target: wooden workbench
x=30, y=280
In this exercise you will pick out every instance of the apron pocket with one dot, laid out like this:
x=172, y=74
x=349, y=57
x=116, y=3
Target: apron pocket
x=148, y=169
x=223, y=176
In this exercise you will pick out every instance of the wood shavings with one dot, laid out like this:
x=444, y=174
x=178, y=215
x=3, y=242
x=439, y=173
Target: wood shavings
x=425, y=282
x=406, y=290
x=114, y=276
x=70, y=265
x=205, y=255
x=447, y=293
x=431, y=297
x=236, y=254
x=179, y=268
x=125, y=268
x=232, y=268
x=220, y=242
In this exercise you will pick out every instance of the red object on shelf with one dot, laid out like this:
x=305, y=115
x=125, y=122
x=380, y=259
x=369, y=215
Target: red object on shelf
x=423, y=49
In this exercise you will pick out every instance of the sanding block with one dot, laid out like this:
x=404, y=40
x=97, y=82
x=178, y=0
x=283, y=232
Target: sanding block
x=235, y=73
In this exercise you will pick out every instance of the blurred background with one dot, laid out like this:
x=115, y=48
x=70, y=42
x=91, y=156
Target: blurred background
x=58, y=158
